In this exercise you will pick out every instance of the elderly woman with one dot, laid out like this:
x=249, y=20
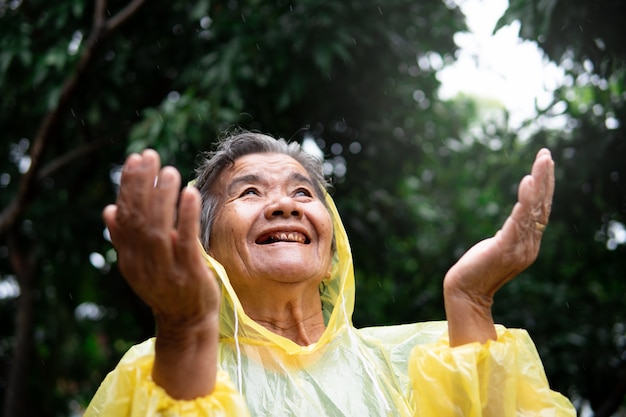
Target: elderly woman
x=257, y=320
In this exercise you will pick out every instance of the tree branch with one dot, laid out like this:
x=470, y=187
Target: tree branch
x=101, y=30
x=58, y=163
x=123, y=15
x=99, y=14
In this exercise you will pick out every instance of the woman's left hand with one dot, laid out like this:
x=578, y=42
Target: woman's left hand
x=470, y=285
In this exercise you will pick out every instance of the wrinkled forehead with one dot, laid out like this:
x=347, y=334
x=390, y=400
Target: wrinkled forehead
x=263, y=167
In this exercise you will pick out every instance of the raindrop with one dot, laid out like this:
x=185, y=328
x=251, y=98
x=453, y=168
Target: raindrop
x=424, y=63
x=567, y=63
x=355, y=147
x=74, y=44
x=206, y=35
x=340, y=169
x=327, y=168
x=9, y=288
x=436, y=62
x=492, y=208
x=600, y=43
x=611, y=123
x=18, y=150
x=97, y=260
x=177, y=30
x=336, y=148
x=111, y=256
x=88, y=311
x=24, y=164
x=5, y=179
x=568, y=153
x=205, y=22
x=340, y=126
x=597, y=109
x=418, y=95
x=427, y=175
x=173, y=96
x=106, y=234
x=618, y=232
x=116, y=175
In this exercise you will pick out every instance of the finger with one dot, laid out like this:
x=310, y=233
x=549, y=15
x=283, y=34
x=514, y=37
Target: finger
x=543, y=175
x=188, y=224
x=162, y=211
x=137, y=182
x=549, y=188
x=108, y=215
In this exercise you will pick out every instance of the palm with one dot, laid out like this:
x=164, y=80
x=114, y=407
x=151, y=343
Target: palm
x=161, y=258
x=470, y=285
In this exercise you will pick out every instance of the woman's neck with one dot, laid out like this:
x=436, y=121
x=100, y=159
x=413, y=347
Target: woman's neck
x=296, y=316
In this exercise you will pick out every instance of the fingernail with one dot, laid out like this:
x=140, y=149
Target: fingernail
x=166, y=178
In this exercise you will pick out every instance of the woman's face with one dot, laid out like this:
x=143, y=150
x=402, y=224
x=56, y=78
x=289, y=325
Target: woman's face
x=270, y=225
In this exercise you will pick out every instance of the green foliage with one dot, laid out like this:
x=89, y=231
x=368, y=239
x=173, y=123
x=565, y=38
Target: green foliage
x=577, y=29
x=583, y=247
x=171, y=78
x=414, y=185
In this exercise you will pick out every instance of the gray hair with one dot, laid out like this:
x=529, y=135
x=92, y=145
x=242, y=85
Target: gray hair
x=234, y=146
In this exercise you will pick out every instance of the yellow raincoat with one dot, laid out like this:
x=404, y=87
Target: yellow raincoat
x=406, y=370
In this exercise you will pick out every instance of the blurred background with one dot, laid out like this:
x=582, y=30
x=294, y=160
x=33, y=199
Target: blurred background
x=425, y=155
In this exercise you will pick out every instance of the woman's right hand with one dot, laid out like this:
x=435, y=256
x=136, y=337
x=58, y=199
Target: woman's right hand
x=155, y=230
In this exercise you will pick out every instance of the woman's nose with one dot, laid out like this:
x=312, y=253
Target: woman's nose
x=283, y=207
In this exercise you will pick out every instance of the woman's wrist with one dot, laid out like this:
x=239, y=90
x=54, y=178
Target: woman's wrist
x=469, y=316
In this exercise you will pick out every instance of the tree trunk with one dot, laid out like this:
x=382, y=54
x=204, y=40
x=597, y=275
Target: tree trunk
x=615, y=399
x=23, y=263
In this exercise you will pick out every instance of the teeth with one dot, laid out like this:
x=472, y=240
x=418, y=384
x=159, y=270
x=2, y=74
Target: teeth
x=288, y=237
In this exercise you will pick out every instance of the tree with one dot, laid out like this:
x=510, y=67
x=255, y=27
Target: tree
x=586, y=241
x=84, y=83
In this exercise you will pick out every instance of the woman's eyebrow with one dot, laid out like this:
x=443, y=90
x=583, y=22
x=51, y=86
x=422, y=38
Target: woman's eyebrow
x=244, y=179
x=294, y=178
x=297, y=177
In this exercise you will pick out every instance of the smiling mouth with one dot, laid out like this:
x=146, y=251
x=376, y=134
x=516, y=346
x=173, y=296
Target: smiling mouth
x=294, y=237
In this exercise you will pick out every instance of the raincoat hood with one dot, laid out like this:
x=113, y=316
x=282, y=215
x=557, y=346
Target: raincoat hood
x=337, y=296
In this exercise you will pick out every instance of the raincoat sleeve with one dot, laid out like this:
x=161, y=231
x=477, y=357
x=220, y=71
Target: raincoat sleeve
x=128, y=391
x=503, y=378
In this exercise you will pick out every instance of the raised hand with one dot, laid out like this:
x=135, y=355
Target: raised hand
x=156, y=237
x=470, y=285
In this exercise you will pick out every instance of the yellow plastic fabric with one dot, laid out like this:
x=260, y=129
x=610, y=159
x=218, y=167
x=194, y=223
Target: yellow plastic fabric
x=130, y=391
x=405, y=370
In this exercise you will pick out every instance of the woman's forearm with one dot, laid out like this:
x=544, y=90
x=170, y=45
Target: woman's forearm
x=185, y=363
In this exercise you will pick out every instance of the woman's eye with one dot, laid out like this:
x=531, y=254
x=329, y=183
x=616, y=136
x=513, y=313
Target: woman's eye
x=302, y=192
x=250, y=191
